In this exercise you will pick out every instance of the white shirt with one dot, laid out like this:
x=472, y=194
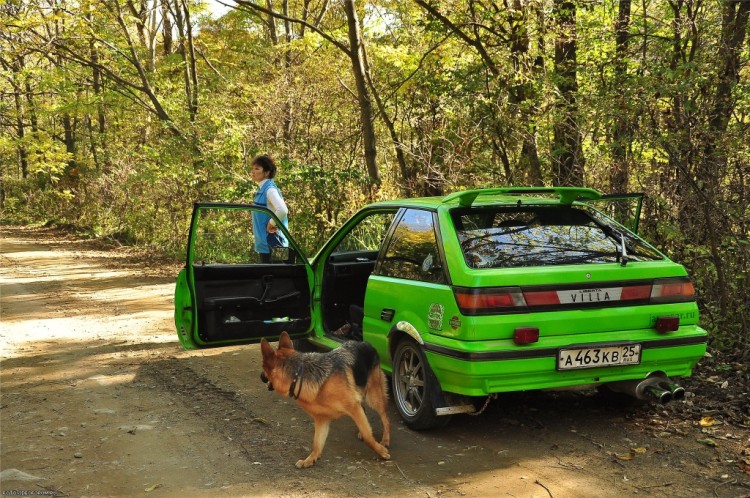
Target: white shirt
x=275, y=202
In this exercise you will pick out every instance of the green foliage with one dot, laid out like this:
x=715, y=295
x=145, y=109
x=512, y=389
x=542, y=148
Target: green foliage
x=320, y=201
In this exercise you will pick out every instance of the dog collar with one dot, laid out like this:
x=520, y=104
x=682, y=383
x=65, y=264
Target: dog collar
x=297, y=378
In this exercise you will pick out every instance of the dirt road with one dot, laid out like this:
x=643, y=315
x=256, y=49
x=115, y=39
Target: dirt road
x=99, y=400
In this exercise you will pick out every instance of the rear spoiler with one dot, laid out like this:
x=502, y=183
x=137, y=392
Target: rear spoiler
x=566, y=194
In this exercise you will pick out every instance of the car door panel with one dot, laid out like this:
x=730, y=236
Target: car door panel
x=249, y=302
x=346, y=280
x=226, y=295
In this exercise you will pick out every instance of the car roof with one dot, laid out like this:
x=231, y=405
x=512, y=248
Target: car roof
x=501, y=195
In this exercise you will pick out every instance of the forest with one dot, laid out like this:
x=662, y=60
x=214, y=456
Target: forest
x=117, y=115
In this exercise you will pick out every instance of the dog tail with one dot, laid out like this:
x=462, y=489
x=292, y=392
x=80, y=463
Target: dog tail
x=368, y=376
x=367, y=372
x=365, y=360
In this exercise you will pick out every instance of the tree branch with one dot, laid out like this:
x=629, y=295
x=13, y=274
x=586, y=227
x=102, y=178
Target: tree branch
x=316, y=29
x=461, y=34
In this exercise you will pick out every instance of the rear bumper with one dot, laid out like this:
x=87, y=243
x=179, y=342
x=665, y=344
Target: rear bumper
x=474, y=371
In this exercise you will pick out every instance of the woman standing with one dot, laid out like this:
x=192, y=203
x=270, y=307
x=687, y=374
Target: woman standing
x=268, y=196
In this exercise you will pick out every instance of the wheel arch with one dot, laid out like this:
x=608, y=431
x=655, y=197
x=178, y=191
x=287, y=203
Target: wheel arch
x=400, y=330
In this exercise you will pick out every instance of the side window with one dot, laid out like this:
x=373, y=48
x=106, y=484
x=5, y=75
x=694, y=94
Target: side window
x=367, y=235
x=413, y=252
x=225, y=237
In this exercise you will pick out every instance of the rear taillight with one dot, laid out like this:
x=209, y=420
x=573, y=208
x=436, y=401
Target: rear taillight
x=635, y=292
x=667, y=290
x=541, y=298
x=482, y=301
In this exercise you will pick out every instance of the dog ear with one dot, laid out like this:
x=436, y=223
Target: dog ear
x=266, y=348
x=285, y=341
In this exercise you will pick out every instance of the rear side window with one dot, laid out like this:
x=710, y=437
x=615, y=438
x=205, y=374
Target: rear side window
x=542, y=236
x=412, y=252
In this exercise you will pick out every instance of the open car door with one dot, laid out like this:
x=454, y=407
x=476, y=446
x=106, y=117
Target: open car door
x=225, y=295
x=623, y=208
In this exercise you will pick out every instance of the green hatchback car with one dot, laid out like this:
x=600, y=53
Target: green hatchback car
x=464, y=296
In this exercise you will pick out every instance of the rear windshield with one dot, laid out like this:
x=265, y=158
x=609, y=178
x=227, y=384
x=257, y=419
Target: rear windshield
x=543, y=235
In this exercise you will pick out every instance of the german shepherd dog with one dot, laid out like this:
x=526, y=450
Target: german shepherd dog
x=329, y=385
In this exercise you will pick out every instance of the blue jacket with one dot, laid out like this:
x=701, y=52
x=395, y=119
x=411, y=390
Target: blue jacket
x=260, y=220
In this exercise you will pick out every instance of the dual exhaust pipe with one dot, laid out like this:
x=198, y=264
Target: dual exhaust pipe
x=657, y=387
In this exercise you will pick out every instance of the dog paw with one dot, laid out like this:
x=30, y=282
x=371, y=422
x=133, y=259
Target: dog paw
x=304, y=464
x=383, y=452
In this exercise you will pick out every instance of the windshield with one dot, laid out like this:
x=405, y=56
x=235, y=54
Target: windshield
x=502, y=237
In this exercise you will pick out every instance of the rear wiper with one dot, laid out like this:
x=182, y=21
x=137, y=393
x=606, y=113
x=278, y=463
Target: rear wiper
x=622, y=256
x=623, y=250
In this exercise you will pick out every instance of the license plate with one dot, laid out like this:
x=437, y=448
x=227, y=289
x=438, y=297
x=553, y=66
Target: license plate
x=583, y=296
x=593, y=357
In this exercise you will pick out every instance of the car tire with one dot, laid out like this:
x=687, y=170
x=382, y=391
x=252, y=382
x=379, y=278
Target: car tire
x=415, y=388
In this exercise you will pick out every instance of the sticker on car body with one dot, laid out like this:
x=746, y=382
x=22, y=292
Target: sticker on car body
x=435, y=316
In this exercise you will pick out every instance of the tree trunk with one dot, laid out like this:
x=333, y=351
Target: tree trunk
x=69, y=138
x=23, y=156
x=363, y=96
x=288, y=110
x=153, y=33
x=193, y=96
x=409, y=186
x=733, y=29
x=140, y=13
x=682, y=149
x=187, y=53
x=622, y=126
x=166, y=21
x=520, y=93
x=271, y=24
x=567, y=154
x=96, y=134
x=96, y=76
x=398, y=146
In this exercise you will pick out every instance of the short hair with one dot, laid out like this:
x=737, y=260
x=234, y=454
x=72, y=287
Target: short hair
x=266, y=162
